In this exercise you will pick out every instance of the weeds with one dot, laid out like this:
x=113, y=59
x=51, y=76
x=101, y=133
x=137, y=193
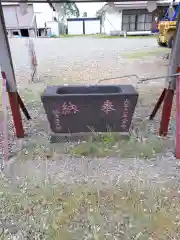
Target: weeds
x=142, y=145
x=97, y=145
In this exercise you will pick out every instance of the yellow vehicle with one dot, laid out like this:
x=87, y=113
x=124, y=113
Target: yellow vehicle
x=167, y=26
x=167, y=30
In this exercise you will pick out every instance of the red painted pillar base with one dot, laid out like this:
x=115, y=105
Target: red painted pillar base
x=15, y=109
x=166, y=112
x=158, y=104
x=178, y=117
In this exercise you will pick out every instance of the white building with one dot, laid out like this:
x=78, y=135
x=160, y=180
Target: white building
x=39, y=19
x=132, y=18
x=17, y=23
x=46, y=19
x=84, y=26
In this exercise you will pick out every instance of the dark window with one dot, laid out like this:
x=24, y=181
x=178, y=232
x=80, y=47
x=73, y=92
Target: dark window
x=41, y=32
x=24, y=33
x=15, y=33
x=136, y=20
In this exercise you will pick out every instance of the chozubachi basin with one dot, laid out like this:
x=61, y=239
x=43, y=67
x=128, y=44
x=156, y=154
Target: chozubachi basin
x=99, y=108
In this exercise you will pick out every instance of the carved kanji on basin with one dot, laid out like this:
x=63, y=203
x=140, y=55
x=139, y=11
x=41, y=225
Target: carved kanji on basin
x=101, y=108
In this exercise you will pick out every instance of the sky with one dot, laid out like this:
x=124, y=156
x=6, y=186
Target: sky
x=90, y=8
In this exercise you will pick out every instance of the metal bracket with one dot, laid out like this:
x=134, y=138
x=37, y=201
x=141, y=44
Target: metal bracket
x=140, y=79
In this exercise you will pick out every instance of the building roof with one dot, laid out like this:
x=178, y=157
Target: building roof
x=133, y=5
x=11, y=2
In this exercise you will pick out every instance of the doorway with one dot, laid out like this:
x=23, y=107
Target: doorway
x=24, y=32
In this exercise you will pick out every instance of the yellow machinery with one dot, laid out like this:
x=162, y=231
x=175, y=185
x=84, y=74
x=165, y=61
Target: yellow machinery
x=167, y=26
x=166, y=34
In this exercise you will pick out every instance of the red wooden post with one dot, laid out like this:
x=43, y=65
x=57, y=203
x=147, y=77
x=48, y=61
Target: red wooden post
x=178, y=116
x=15, y=109
x=166, y=112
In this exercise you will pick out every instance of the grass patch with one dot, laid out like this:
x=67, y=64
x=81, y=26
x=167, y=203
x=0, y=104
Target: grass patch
x=146, y=53
x=101, y=36
x=97, y=146
x=141, y=149
x=121, y=36
x=52, y=212
x=144, y=145
x=88, y=35
x=145, y=36
x=108, y=36
x=76, y=35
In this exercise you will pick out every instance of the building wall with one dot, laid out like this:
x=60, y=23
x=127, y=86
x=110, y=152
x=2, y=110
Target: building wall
x=84, y=26
x=92, y=27
x=132, y=17
x=75, y=27
x=131, y=21
x=111, y=22
x=15, y=20
x=44, y=13
x=32, y=33
x=37, y=16
x=54, y=26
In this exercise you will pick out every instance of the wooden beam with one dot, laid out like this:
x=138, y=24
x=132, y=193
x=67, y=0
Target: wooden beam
x=6, y=64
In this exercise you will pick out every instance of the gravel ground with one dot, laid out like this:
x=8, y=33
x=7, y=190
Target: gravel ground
x=160, y=171
x=81, y=60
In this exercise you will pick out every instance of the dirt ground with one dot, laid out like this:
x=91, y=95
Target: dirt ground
x=81, y=182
